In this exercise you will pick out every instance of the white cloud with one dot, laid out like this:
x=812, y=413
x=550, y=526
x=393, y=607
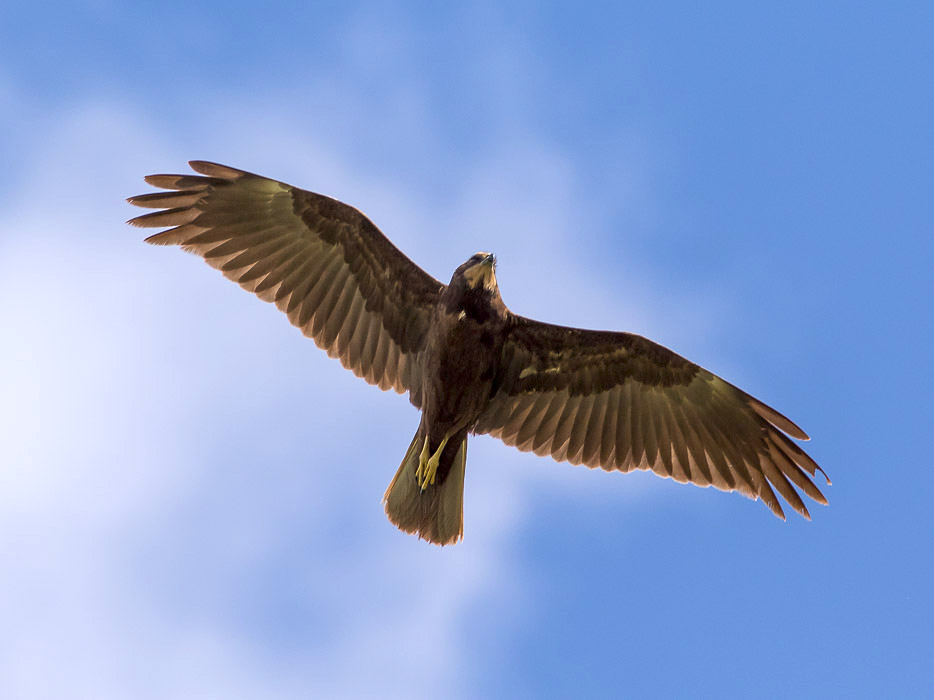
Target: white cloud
x=187, y=506
x=133, y=529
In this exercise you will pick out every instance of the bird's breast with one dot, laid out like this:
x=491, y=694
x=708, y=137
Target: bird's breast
x=460, y=366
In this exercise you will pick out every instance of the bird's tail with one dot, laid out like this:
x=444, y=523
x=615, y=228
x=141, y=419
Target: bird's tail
x=435, y=514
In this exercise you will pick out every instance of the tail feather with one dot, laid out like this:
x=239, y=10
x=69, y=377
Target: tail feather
x=437, y=513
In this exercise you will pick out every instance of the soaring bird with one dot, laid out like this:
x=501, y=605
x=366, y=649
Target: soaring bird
x=600, y=398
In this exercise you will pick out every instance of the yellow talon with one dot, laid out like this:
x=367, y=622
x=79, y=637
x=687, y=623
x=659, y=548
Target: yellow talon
x=422, y=465
x=428, y=465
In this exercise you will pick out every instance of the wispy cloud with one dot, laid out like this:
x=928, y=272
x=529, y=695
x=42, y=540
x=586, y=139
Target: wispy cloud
x=189, y=490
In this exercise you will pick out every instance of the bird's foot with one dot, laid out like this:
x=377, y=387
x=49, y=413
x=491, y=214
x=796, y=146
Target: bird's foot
x=428, y=465
x=422, y=471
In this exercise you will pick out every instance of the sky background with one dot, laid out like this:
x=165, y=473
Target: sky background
x=190, y=490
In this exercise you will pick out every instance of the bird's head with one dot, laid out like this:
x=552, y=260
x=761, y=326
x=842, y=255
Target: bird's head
x=478, y=272
x=473, y=288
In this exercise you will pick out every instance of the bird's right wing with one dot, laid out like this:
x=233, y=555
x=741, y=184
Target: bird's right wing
x=620, y=401
x=322, y=262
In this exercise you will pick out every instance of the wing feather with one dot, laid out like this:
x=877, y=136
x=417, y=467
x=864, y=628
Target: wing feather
x=780, y=482
x=323, y=263
x=680, y=441
x=619, y=401
x=637, y=425
x=593, y=440
x=608, y=440
x=358, y=342
x=544, y=436
x=662, y=432
x=796, y=474
x=650, y=438
x=338, y=314
x=249, y=258
x=261, y=270
x=579, y=424
x=520, y=412
x=382, y=368
x=352, y=321
x=719, y=468
x=625, y=456
x=533, y=421
x=559, y=447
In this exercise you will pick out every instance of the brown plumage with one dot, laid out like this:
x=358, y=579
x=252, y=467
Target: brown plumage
x=603, y=399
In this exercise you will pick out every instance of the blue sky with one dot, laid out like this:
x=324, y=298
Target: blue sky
x=189, y=490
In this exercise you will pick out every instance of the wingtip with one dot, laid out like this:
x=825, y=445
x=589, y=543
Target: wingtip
x=153, y=239
x=777, y=419
x=136, y=224
x=775, y=507
x=224, y=172
x=157, y=180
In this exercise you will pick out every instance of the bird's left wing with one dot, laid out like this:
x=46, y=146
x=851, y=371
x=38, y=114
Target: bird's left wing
x=621, y=402
x=322, y=262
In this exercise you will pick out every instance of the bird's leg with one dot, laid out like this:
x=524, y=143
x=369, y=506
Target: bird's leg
x=428, y=466
x=421, y=472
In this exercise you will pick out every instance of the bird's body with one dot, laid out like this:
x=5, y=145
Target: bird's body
x=465, y=318
x=463, y=351
x=605, y=399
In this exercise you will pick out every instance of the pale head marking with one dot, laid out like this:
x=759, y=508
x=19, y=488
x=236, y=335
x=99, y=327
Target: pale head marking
x=483, y=271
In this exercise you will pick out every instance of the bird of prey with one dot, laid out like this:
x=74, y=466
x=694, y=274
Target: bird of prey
x=603, y=399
